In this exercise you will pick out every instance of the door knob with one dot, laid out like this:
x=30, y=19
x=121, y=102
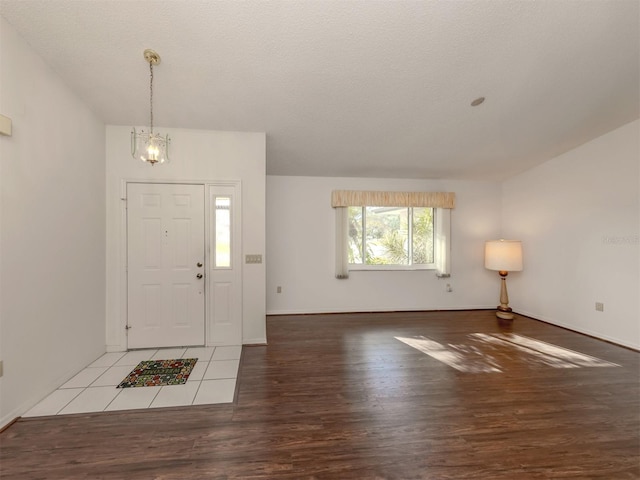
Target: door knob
x=199, y=264
x=199, y=275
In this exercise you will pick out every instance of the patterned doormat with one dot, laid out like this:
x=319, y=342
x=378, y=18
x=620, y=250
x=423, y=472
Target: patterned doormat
x=157, y=373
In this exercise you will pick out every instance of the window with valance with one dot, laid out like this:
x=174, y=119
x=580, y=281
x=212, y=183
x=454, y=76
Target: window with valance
x=380, y=230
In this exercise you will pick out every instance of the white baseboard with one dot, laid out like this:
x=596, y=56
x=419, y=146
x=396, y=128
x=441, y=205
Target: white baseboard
x=584, y=331
x=43, y=392
x=8, y=418
x=542, y=318
x=361, y=310
x=254, y=341
x=115, y=348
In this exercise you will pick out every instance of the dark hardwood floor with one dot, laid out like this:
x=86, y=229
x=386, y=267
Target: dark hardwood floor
x=338, y=397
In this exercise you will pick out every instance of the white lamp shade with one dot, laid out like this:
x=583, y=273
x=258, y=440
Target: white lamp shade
x=503, y=255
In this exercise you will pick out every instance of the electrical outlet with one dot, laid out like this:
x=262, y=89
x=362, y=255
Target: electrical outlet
x=449, y=289
x=279, y=290
x=599, y=307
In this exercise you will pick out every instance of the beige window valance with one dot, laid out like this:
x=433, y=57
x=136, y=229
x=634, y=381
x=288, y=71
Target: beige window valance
x=359, y=198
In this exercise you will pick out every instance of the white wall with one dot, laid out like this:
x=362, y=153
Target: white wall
x=195, y=155
x=301, y=250
x=52, y=262
x=578, y=217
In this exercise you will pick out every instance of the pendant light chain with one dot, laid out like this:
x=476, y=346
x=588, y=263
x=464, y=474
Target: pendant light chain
x=151, y=97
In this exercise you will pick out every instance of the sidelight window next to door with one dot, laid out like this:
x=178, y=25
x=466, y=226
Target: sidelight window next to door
x=222, y=232
x=224, y=277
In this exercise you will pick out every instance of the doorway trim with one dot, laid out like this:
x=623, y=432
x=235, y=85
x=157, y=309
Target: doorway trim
x=122, y=248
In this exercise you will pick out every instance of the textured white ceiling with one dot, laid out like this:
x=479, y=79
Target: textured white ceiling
x=356, y=88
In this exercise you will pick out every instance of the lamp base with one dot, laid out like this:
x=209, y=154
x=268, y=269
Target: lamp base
x=504, y=313
x=504, y=310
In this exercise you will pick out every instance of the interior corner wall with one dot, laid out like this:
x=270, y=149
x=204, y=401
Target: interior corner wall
x=196, y=155
x=52, y=230
x=578, y=216
x=301, y=250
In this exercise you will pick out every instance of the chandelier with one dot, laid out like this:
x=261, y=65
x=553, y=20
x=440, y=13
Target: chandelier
x=148, y=146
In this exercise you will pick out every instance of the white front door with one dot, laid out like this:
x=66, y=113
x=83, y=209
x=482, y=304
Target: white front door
x=165, y=265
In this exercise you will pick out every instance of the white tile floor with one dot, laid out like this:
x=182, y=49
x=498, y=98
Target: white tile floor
x=212, y=380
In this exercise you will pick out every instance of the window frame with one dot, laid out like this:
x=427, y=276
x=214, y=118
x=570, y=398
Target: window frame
x=396, y=267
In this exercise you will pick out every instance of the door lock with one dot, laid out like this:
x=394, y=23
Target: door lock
x=199, y=275
x=199, y=264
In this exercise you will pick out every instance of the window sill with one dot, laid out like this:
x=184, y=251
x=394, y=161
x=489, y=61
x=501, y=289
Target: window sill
x=391, y=268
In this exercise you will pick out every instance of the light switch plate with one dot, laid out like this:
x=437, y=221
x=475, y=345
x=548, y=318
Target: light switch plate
x=253, y=258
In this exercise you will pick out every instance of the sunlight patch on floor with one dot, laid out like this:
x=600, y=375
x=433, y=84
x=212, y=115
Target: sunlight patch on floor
x=487, y=353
